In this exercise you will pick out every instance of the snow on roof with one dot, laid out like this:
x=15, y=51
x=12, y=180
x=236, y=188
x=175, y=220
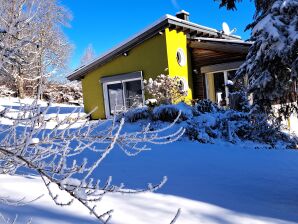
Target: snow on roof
x=182, y=11
x=139, y=38
x=224, y=40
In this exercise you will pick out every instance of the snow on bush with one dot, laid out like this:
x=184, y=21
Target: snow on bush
x=205, y=106
x=6, y=91
x=165, y=89
x=205, y=122
x=170, y=112
x=137, y=114
x=70, y=92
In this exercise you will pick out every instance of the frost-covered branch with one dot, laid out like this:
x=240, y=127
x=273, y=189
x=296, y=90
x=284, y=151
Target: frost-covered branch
x=176, y=216
x=56, y=152
x=32, y=43
x=5, y=220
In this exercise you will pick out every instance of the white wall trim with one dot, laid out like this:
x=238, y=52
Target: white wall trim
x=207, y=85
x=226, y=87
x=221, y=67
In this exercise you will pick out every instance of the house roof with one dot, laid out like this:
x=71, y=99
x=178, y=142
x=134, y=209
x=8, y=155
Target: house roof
x=168, y=21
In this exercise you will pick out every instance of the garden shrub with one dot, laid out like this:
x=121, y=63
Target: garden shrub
x=205, y=121
x=205, y=106
x=171, y=111
x=136, y=114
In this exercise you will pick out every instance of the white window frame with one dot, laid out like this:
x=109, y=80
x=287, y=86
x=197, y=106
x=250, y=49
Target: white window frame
x=207, y=85
x=181, y=57
x=106, y=96
x=226, y=87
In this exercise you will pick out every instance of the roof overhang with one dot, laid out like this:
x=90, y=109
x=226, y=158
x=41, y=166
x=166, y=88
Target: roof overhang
x=223, y=45
x=171, y=22
x=211, y=54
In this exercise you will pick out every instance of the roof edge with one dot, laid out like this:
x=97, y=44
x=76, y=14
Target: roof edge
x=140, y=37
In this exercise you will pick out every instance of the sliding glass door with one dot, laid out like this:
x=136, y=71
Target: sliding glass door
x=218, y=84
x=219, y=88
x=115, y=97
x=122, y=95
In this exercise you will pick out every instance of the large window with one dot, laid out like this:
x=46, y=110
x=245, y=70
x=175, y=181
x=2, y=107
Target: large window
x=122, y=92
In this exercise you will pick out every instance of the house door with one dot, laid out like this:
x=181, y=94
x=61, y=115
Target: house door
x=115, y=97
x=219, y=88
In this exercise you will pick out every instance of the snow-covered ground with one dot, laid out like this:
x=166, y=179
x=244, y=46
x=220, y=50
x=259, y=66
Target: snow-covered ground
x=55, y=112
x=220, y=183
x=15, y=102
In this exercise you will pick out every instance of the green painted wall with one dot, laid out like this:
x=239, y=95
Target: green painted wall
x=149, y=57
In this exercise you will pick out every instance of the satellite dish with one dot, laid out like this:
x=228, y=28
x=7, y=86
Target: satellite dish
x=226, y=29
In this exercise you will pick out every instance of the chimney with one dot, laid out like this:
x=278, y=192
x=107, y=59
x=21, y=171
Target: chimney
x=183, y=15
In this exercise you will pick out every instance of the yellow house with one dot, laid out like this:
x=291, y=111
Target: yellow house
x=202, y=57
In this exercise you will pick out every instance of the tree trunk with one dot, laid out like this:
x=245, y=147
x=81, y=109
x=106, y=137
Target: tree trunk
x=20, y=87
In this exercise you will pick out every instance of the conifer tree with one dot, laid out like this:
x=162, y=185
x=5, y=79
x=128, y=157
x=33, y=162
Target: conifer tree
x=272, y=62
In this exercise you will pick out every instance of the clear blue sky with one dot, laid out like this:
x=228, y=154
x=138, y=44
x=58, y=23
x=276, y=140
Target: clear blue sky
x=105, y=23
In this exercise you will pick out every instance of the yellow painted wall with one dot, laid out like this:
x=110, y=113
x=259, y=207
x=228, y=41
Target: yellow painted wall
x=149, y=57
x=176, y=40
x=211, y=88
x=153, y=57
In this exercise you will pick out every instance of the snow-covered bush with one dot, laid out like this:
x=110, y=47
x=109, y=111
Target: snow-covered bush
x=237, y=126
x=70, y=92
x=201, y=130
x=166, y=89
x=204, y=106
x=258, y=128
x=55, y=92
x=239, y=101
x=6, y=91
x=205, y=121
x=171, y=111
x=167, y=113
x=8, y=87
x=137, y=114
